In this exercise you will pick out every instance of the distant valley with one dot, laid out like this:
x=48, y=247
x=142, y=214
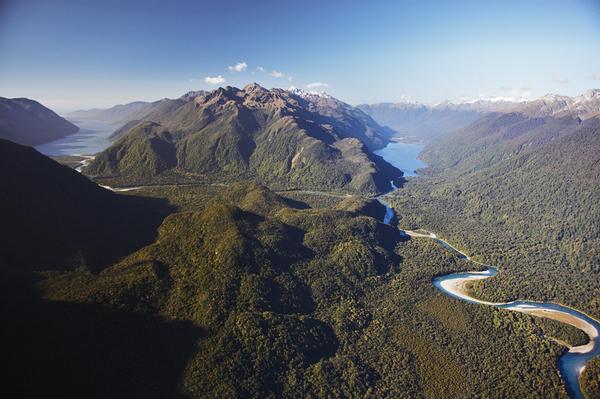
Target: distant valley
x=252, y=247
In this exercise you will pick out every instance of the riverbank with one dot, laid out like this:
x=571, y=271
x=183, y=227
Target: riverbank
x=573, y=361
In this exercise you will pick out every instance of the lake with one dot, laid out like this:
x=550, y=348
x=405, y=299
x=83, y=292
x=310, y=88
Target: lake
x=403, y=156
x=92, y=137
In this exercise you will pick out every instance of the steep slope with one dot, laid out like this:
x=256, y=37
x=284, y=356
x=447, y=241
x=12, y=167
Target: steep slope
x=521, y=192
x=55, y=218
x=352, y=121
x=583, y=106
x=278, y=137
x=495, y=137
x=240, y=270
x=244, y=295
x=28, y=122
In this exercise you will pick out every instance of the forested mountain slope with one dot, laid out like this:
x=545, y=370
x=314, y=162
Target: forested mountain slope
x=55, y=218
x=520, y=193
x=246, y=294
x=281, y=138
x=28, y=122
x=496, y=137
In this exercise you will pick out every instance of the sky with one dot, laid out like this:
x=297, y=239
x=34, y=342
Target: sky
x=81, y=54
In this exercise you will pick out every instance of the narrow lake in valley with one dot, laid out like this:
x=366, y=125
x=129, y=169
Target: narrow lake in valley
x=92, y=137
x=573, y=360
x=403, y=156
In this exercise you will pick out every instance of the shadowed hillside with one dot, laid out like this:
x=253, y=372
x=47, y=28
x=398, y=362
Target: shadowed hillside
x=55, y=218
x=28, y=122
x=244, y=293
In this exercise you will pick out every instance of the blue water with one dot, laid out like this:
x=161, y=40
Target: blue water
x=91, y=138
x=569, y=364
x=403, y=156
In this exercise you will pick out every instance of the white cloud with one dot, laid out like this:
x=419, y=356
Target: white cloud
x=290, y=78
x=214, y=80
x=560, y=79
x=317, y=85
x=239, y=67
x=260, y=69
x=595, y=76
x=276, y=74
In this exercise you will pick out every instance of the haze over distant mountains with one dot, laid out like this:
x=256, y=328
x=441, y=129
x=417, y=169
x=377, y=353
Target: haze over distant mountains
x=28, y=122
x=430, y=121
x=287, y=139
x=299, y=294
x=410, y=118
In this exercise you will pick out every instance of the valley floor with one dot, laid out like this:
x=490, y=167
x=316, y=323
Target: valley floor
x=386, y=331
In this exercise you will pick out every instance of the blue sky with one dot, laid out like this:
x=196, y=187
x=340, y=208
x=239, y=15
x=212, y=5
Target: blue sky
x=80, y=54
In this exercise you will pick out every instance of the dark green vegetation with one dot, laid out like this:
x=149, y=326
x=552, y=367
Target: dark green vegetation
x=276, y=137
x=522, y=194
x=55, y=218
x=563, y=333
x=314, y=200
x=72, y=161
x=28, y=122
x=590, y=379
x=244, y=293
x=227, y=289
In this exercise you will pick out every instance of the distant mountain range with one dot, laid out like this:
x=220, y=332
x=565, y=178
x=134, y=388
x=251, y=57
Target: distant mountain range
x=284, y=138
x=28, y=122
x=253, y=293
x=137, y=110
x=431, y=121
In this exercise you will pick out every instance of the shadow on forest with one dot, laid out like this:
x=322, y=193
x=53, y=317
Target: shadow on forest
x=92, y=231
x=70, y=350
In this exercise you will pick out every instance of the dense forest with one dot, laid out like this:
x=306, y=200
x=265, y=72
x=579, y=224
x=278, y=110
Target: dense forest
x=234, y=290
x=532, y=213
x=520, y=194
x=245, y=293
x=590, y=379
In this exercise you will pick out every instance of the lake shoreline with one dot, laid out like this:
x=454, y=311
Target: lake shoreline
x=572, y=361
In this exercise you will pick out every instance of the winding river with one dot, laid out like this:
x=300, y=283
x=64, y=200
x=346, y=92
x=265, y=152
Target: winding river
x=573, y=360
x=404, y=156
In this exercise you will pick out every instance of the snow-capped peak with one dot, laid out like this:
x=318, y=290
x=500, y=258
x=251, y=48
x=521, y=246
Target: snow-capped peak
x=591, y=94
x=552, y=98
x=308, y=94
x=493, y=100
